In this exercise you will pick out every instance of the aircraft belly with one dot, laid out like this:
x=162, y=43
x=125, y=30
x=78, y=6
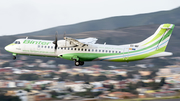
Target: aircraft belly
x=81, y=56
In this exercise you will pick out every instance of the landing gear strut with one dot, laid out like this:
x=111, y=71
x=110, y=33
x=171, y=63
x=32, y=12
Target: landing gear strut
x=14, y=56
x=77, y=63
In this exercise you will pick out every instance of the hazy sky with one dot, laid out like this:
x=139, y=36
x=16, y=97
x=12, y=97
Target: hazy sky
x=21, y=16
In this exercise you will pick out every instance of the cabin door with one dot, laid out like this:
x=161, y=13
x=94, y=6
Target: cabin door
x=125, y=53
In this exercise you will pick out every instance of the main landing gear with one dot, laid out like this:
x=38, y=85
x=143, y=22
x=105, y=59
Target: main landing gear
x=79, y=63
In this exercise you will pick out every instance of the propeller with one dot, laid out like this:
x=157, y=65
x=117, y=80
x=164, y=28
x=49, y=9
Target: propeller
x=65, y=38
x=55, y=42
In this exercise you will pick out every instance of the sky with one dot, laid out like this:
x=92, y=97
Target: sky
x=22, y=16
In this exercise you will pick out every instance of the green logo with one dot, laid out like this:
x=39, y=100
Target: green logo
x=36, y=42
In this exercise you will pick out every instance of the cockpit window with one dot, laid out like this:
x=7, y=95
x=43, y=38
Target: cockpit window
x=16, y=42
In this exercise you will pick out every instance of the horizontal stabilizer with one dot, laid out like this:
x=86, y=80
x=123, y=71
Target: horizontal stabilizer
x=161, y=54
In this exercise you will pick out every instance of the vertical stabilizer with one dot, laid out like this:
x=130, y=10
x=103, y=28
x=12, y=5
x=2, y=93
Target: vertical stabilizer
x=160, y=38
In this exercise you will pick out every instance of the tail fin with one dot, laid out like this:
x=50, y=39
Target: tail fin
x=160, y=38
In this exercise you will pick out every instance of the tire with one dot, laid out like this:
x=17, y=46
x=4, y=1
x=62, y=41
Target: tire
x=81, y=63
x=77, y=63
x=14, y=57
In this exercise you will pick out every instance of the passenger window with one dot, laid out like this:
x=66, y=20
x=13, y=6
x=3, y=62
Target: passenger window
x=116, y=52
x=109, y=51
x=67, y=48
x=99, y=50
x=82, y=49
x=71, y=48
x=44, y=46
x=48, y=46
x=103, y=51
x=51, y=46
x=106, y=51
x=62, y=48
x=78, y=49
x=96, y=50
x=58, y=48
x=119, y=51
x=41, y=46
x=74, y=48
x=38, y=46
x=89, y=50
x=112, y=51
x=85, y=49
x=92, y=50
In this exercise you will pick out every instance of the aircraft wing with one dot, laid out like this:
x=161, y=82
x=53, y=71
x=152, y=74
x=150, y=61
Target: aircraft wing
x=81, y=42
x=88, y=40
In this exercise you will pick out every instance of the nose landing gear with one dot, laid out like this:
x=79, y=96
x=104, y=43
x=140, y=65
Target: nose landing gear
x=14, y=56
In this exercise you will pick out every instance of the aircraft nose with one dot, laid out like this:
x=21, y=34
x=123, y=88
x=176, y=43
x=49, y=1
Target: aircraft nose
x=6, y=48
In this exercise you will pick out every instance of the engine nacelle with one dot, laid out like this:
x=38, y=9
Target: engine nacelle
x=64, y=43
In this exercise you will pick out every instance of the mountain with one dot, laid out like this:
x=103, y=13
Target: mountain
x=115, y=30
x=171, y=16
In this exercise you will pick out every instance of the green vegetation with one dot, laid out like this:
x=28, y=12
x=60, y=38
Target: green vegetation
x=9, y=98
x=28, y=77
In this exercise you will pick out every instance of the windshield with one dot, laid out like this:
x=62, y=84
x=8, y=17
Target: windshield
x=16, y=42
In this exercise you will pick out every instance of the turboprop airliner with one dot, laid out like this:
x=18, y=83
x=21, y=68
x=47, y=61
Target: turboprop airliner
x=81, y=50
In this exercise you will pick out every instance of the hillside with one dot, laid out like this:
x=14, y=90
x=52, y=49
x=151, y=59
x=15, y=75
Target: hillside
x=115, y=30
x=171, y=16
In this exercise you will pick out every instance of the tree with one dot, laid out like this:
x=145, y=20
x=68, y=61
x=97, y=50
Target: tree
x=129, y=75
x=28, y=77
x=54, y=94
x=86, y=82
x=9, y=98
x=100, y=78
x=140, y=84
x=63, y=76
x=69, y=89
x=26, y=89
x=52, y=74
x=120, y=77
x=162, y=82
x=152, y=75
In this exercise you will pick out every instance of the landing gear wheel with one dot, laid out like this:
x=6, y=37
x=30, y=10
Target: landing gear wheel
x=81, y=63
x=14, y=57
x=77, y=63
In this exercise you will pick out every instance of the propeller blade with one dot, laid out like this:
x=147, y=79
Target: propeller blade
x=55, y=42
x=65, y=38
x=64, y=35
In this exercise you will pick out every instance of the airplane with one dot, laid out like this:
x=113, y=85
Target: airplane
x=82, y=50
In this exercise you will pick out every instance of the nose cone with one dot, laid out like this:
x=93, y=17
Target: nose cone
x=7, y=48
